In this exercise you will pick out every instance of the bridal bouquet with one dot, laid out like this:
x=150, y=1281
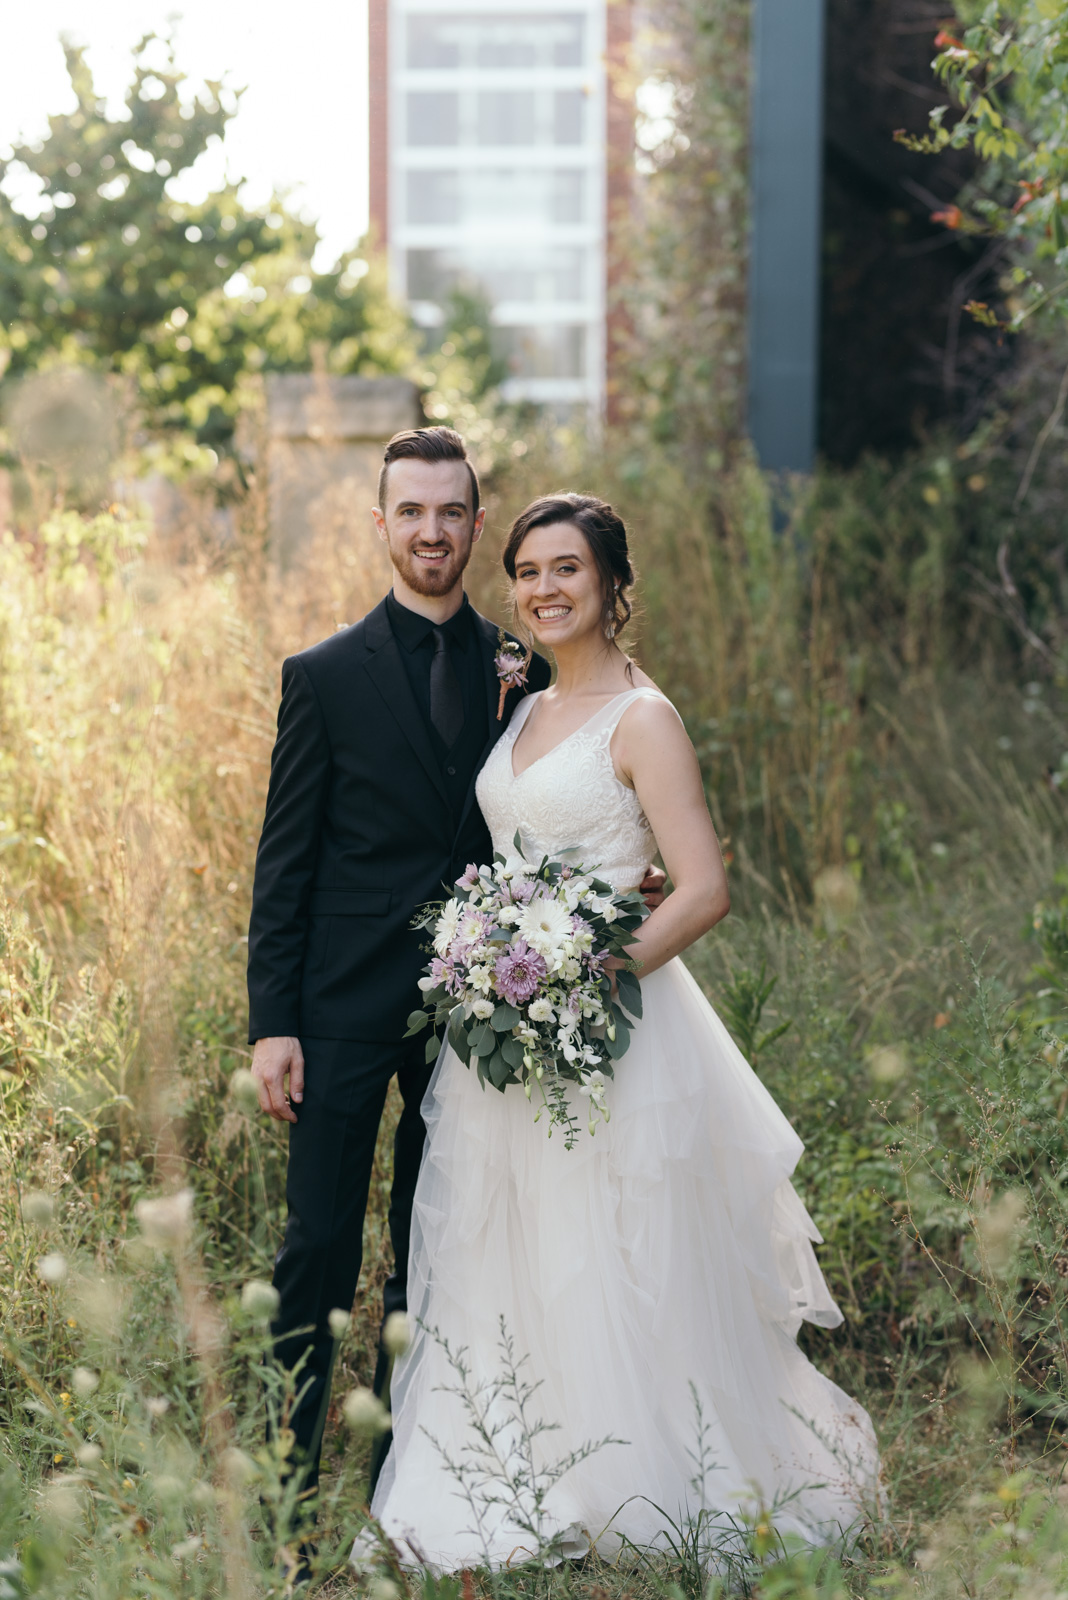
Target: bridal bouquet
x=517, y=979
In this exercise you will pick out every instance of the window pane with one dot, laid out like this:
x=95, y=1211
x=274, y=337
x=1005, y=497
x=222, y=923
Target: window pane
x=506, y=117
x=429, y=276
x=489, y=40
x=566, y=196
x=568, y=106
x=544, y=352
x=432, y=43
x=433, y=119
x=434, y=197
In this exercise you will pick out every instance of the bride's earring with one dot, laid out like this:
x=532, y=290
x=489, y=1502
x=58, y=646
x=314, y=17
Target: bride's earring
x=610, y=629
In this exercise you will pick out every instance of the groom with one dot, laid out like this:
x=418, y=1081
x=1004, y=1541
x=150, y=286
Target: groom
x=382, y=730
x=371, y=809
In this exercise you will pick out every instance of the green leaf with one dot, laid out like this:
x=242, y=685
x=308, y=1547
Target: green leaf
x=433, y=1045
x=483, y=1040
x=504, y=1018
x=630, y=993
x=417, y=1021
x=512, y=1051
x=1058, y=228
x=498, y=1070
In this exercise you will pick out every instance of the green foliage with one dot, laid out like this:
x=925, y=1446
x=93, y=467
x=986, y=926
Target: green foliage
x=186, y=300
x=1008, y=71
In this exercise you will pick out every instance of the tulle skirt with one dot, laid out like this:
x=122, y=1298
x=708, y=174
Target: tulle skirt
x=604, y=1337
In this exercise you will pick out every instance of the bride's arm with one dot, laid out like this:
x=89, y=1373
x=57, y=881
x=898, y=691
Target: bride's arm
x=654, y=755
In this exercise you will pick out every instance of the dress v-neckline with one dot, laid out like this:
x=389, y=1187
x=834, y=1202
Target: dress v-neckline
x=560, y=742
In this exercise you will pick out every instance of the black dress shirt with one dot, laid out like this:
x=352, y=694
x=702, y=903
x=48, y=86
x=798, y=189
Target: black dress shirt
x=415, y=635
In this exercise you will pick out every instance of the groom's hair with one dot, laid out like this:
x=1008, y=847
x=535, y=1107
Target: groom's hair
x=427, y=444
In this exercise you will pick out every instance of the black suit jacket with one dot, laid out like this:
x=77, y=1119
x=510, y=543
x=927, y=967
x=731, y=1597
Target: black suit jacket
x=357, y=835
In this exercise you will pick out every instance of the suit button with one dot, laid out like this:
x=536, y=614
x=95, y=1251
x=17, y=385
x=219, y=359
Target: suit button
x=451, y=771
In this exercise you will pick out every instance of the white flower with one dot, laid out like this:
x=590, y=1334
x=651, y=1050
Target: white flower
x=472, y=930
x=88, y=1454
x=593, y=1085
x=508, y=916
x=396, y=1333
x=83, y=1382
x=448, y=922
x=52, y=1268
x=482, y=1009
x=240, y=1468
x=570, y=968
x=568, y=1051
x=527, y=1036
x=480, y=978
x=427, y=983
x=157, y=1405
x=545, y=924
x=609, y=913
x=540, y=1010
x=259, y=1300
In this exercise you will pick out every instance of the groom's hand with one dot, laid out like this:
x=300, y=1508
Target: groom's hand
x=272, y=1060
x=652, y=887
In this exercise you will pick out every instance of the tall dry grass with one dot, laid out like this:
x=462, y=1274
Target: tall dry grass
x=879, y=795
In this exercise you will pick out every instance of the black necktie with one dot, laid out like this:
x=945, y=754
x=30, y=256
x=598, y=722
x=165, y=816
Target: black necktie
x=446, y=701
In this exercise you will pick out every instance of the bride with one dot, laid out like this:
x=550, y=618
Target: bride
x=604, y=1337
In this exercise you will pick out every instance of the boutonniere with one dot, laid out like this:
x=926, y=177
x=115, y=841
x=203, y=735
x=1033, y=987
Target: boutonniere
x=512, y=666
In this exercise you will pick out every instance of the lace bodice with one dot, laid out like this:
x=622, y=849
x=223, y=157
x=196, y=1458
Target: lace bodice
x=569, y=804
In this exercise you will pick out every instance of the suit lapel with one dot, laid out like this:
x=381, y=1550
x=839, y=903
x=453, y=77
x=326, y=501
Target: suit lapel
x=386, y=670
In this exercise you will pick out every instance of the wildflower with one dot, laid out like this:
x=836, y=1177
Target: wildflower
x=396, y=1333
x=518, y=972
x=89, y=1454
x=338, y=1322
x=365, y=1413
x=259, y=1300
x=52, y=1268
x=84, y=1382
x=37, y=1208
x=167, y=1219
x=157, y=1405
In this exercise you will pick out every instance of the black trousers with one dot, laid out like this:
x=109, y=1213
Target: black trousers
x=331, y=1154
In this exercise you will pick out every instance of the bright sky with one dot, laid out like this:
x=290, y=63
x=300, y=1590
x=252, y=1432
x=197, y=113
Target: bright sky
x=303, y=120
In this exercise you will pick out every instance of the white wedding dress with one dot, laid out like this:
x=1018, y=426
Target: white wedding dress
x=654, y=1276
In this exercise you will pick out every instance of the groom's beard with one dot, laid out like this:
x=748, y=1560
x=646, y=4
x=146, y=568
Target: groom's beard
x=431, y=578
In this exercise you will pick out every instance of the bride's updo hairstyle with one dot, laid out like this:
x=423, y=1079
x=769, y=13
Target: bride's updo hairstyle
x=606, y=536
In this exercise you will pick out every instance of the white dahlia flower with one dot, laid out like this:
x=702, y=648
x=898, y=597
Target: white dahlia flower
x=545, y=924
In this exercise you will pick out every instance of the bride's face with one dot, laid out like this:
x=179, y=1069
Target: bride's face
x=558, y=589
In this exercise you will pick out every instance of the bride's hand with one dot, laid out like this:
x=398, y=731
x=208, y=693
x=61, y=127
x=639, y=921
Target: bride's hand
x=652, y=889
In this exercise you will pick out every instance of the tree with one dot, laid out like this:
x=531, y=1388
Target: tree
x=1007, y=70
x=186, y=299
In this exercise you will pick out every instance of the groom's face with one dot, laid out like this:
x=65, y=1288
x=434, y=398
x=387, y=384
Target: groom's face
x=429, y=523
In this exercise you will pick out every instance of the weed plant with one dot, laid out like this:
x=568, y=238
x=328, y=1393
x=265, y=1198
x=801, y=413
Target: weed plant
x=885, y=771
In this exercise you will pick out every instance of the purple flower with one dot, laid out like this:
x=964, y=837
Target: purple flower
x=522, y=890
x=470, y=877
x=518, y=972
x=445, y=971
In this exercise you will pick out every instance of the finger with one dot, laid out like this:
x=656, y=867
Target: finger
x=263, y=1096
x=296, y=1077
x=279, y=1107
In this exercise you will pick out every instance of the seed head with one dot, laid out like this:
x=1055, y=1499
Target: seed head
x=84, y=1382
x=37, y=1209
x=259, y=1300
x=396, y=1334
x=166, y=1220
x=243, y=1089
x=365, y=1413
x=339, y=1324
x=52, y=1268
